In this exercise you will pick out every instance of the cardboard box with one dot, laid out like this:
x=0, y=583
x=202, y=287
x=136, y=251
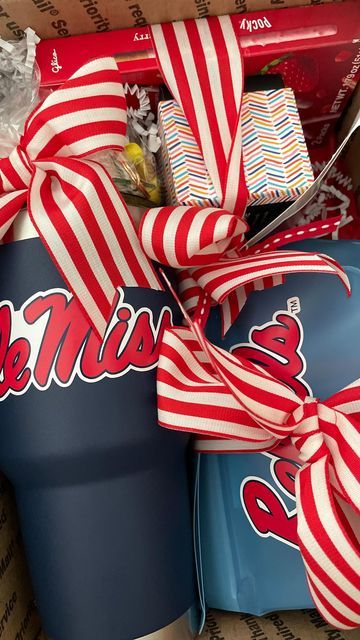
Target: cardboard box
x=287, y=625
x=19, y=619
x=266, y=116
x=61, y=18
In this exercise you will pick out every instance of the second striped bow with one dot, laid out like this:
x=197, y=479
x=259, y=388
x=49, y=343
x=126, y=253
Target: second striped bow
x=72, y=202
x=206, y=245
x=206, y=390
x=202, y=388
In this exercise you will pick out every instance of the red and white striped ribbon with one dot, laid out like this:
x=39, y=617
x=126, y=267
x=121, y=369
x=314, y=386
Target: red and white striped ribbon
x=79, y=215
x=202, y=388
x=201, y=63
x=206, y=390
x=201, y=242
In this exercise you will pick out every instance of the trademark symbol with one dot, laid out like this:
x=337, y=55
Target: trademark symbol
x=293, y=305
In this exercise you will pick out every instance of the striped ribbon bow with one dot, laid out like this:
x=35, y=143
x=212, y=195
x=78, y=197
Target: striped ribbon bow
x=72, y=202
x=206, y=390
x=201, y=62
x=205, y=245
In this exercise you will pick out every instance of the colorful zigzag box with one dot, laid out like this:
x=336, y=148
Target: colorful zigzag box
x=276, y=161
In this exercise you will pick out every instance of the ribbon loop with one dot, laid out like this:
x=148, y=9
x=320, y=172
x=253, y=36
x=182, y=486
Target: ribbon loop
x=85, y=115
x=190, y=236
x=204, y=389
x=73, y=204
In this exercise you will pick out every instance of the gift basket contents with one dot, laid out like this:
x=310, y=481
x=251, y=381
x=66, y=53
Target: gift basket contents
x=179, y=362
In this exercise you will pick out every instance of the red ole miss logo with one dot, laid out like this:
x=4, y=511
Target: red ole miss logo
x=264, y=505
x=49, y=340
x=276, y=346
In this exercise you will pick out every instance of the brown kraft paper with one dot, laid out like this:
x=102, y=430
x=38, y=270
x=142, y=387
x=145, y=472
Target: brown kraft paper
x=61, y=18
x=18, y=616
x=305, y=624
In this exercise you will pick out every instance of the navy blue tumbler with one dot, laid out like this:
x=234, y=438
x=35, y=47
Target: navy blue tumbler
x=101, y=489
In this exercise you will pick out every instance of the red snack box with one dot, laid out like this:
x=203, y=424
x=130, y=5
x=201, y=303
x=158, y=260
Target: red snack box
x=302, y=44
x=319, y=131
x=317, y=52
x=58, y=59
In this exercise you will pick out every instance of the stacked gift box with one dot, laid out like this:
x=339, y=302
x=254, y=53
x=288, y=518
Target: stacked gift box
x=276, y=161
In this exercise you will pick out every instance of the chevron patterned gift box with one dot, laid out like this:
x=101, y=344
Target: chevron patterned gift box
x=276, y=161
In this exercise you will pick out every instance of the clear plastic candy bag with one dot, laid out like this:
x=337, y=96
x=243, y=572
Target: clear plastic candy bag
x=134, y=170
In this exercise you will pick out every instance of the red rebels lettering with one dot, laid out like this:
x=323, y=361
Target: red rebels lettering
x=267, y=513
x=284, y=472
x=56, y=342
x=13, y=357
x=276, y=347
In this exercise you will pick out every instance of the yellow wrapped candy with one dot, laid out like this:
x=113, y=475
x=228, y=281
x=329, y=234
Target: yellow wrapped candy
x=147, y=180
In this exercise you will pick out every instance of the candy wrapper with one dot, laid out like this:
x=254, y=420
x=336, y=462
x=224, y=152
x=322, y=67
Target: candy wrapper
x=304, y=333
x=134, y=170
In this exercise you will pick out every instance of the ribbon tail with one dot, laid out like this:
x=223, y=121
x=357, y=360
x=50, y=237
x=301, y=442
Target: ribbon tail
x=202, y=65
x=232, y=305
x=10, y=205
x=329, y=543
x=260, y=271
x=191, y=398
x=88, y=231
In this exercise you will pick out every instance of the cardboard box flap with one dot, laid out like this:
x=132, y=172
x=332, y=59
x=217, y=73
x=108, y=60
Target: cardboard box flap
x=61, y=18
